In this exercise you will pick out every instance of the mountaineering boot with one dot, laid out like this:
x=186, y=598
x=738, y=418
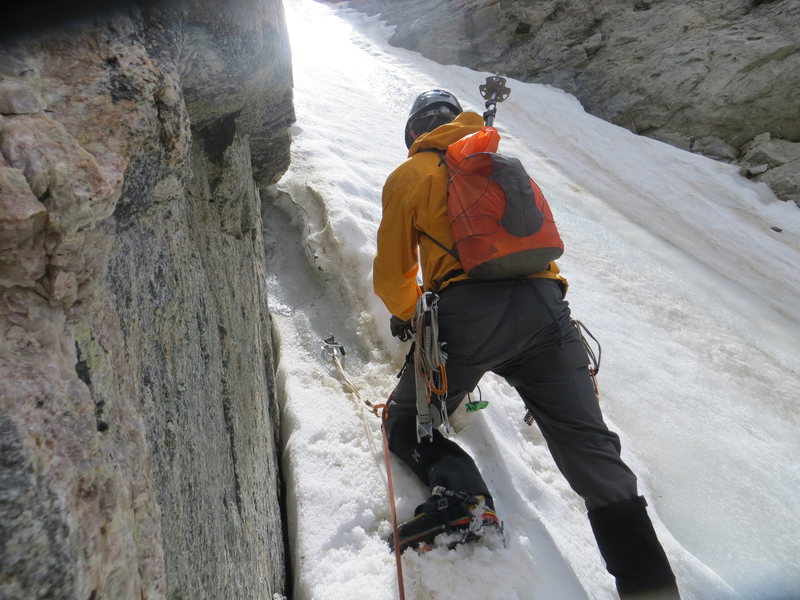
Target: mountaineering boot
x=447, y=511
x=632, y=552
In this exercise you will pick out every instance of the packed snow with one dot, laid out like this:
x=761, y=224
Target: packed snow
x=673, y=264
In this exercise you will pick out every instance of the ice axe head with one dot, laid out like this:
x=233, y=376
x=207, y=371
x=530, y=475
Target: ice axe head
x=493, y=91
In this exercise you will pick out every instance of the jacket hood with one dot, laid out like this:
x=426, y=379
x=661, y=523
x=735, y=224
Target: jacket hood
x=440, y=138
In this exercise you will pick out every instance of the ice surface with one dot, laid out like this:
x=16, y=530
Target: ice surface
x=672, y=265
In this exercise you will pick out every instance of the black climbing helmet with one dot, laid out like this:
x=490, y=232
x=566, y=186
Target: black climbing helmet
x=431, y=109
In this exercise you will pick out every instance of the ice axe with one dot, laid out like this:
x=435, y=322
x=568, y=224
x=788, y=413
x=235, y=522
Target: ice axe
x=493, y=91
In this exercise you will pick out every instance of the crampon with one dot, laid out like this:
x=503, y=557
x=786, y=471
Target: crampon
x=449, y=519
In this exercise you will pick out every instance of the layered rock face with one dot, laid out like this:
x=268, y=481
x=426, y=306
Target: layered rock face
x=706, y=76
x=137, y=421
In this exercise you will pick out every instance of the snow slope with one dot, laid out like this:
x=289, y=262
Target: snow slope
x=673, y=265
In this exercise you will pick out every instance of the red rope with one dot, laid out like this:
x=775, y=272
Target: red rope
x=396, y=533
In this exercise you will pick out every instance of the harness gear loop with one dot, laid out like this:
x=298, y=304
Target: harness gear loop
x=429, y=370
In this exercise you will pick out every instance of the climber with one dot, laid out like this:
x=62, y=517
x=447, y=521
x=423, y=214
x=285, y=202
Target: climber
x=520, y=329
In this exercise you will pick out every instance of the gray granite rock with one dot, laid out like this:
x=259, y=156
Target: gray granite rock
x=714, y=147
x=784, y=180
x=17, y=98
x=22, y=229
x=235, y=69
x=751, y=172
x=774, y=153
x=138, y=423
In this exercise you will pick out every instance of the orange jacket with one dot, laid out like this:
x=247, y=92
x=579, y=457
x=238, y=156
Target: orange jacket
x=415, y=200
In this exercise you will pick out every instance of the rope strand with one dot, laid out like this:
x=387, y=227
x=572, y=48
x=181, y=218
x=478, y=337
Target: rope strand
x=395, y=530
x=334, y=349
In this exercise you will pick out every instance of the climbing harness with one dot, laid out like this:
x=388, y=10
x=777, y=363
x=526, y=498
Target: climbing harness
x=594, y=359
x=335, y=350
x=429, y=371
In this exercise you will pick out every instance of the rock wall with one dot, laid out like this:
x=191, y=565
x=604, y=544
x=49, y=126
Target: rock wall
x=706, y=76
x=137, y=419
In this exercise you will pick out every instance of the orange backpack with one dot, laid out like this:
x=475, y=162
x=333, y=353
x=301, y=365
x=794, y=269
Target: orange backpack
x=500, y=220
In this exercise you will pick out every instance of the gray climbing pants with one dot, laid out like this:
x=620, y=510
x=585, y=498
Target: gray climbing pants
x=521, y=330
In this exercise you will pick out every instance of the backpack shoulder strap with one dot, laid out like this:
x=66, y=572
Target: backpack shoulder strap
x=451, y=251
x=441, y=154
